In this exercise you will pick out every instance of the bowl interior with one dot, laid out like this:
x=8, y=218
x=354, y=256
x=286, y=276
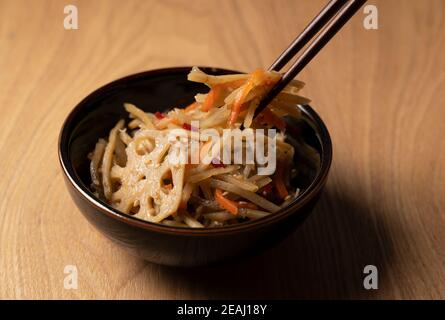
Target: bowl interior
x=160, y=90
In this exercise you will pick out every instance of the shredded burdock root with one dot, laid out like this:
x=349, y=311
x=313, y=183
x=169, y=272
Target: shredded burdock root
x=132, y=170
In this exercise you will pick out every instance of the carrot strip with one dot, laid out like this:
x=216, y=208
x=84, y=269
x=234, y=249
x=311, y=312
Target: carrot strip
x=192, y=106
x=217, y=90
x=211, y=97
x=234, y=84
x=176, y=121
x=253, y=80
x=225, y=203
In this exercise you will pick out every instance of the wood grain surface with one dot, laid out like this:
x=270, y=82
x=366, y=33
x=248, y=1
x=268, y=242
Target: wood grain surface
x=380, y=92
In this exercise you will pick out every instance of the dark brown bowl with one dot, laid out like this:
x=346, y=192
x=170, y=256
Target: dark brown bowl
x=157, y=90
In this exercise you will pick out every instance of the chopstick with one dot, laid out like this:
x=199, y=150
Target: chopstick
x=345, y=12
x=328, y=12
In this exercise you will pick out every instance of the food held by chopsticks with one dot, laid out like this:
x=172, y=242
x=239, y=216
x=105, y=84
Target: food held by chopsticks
x=181, y=168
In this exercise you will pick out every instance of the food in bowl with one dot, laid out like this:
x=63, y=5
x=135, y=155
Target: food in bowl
x=181, y=168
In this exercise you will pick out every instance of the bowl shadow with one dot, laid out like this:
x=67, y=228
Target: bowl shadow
x=324, y=259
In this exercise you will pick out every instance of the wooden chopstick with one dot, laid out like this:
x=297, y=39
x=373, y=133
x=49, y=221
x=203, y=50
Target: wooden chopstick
x=346, y=13
x=328, y=12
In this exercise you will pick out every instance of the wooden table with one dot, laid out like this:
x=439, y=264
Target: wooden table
x=381, y=93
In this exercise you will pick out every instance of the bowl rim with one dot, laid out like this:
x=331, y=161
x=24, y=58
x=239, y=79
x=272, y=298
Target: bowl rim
x=74, y=181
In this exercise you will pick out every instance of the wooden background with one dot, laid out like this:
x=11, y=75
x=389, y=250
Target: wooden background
x=380, y=92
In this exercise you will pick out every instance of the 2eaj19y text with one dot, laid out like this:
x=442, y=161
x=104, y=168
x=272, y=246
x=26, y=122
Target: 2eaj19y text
x=224, y=309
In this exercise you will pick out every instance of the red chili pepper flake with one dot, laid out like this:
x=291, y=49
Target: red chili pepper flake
x=159, y=115
x=189, y=127
x=216, y=163
x=266, y=191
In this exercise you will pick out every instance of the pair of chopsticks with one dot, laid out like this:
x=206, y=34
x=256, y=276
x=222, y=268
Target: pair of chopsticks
x=333, y=17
